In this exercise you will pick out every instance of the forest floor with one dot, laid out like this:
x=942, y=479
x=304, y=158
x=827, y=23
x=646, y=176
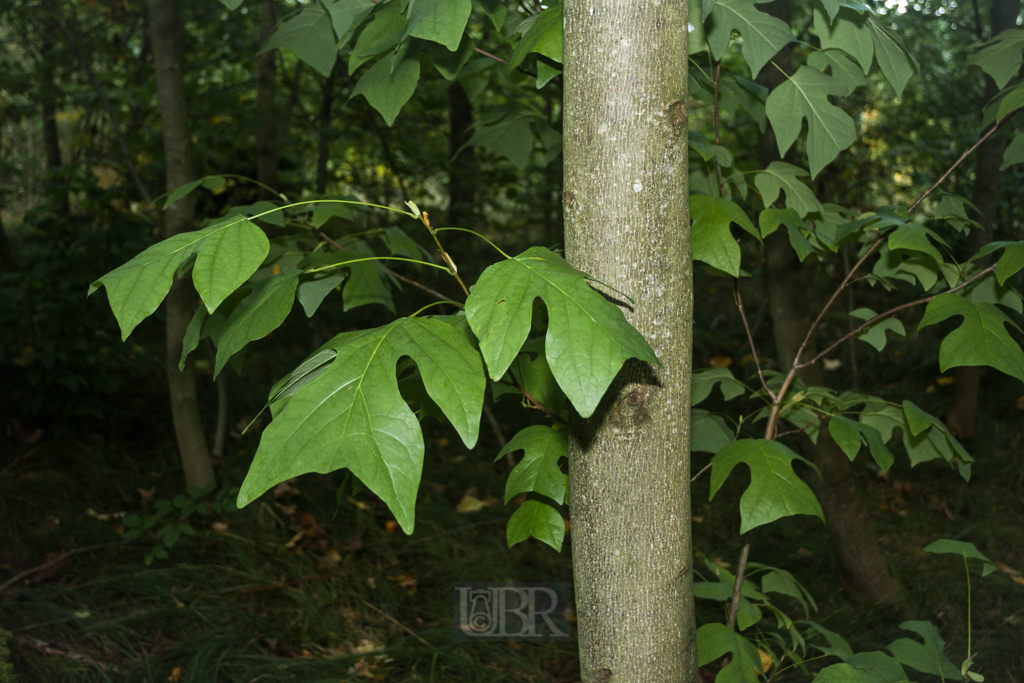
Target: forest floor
x=309, y=584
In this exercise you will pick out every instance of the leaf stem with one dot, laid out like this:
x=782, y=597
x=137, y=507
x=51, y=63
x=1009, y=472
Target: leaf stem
x=718, y=136
x=432, y=304
x=474, y=232
x=425, y=219
x=750, y=337
x=374, y=258
x=536, y=404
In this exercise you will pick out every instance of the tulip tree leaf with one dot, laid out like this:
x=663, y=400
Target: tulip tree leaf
x=709, y=433
x=982, y=339
x=346, y=15
x=864, y=667
x=712, y=241
x=388, y=84
x=848, y=32
x=964, y=549
x=353, y=415
x=1001, y=56
x=781, y=176
x=500, y=311
x=928, y=658
x=228, y=253
x=875, y=335
x=897, y=64
x=705, y=380
x=715, y=640
x=538, y=471
x=310, y=36
x=258, y=314
x=537, y=519
x=544, y=37
x=763, y=34
x=849, y=435
x=441, y=21
x=805, y=94
x=775, y=490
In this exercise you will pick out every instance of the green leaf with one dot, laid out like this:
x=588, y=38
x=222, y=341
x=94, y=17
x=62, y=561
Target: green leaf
x=545, y=72
x=510, y=137
x=712, y=241
x=388, y=84
x=308, y=370
x=231, y=4
x=841, y=65
x=312, y=291
x=875, y=335
x=849, y=32
x=708, y=433
x=496, y=10
x=543, y=37
x=1009, y=263
x=838, y=646
x=228, y=253
x=927, y=658
x=914, y=237
x=951, y=209
x=763, y=34
x=346, y=15
x=805, y=94
x=530, y=369
x=258, y=314
x=388, y=28
x=537, y=519
x=1014, y=153
x=193, y=333
x=309, y=36
x=353, y=415
x=964, y=549
x=538, y=471
x=864, y=667
x=449, y=64
x=896, y=61
x=181, y=191
x=781, y=176
x=441, y=21
x=1000, y=57
x=1011, y=102
x=917, y=420
x=775, y=490
x=715, y=640
x=982, y=339
x=704, y=381
x=325, y=212
x=500, y=310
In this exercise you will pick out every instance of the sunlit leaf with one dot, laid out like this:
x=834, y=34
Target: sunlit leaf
x=711, y=238
x=388, y=84
x=543, y=37
x=310, y=36
x=780, y=176
x=440, y=21
x=763, y=34
x=982, y=339
x=1000, y=57
x=538, y=471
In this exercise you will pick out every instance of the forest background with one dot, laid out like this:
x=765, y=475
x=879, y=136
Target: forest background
x=316, y=582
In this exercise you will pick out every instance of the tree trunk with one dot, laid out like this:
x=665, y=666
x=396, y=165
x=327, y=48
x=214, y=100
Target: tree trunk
x=324, y=142
x=266, y=78
x=460, y=169
x=627, y=224
x=861, y=566
x=56, y=186
x=987, y=177
x=168, y=38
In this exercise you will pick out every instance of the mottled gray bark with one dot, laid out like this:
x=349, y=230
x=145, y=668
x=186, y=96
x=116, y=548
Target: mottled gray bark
x=167, y=34
x=987, y=179
x=627, y=223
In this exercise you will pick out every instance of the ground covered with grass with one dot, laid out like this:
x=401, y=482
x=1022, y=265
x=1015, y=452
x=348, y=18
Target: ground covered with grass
x=314, y=582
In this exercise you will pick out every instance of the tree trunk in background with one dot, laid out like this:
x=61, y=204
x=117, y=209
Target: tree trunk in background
x=6, y=254
x=266, y=79
x=862, y=568
x=861, y=565
x=324, y=142
x=461, y=197
x=627, y=224
x=168, y=38
x=56, y=186
x=987, y=177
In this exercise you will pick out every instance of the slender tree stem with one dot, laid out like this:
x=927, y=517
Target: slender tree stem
x=718, y=136
x=534, y=402
x=750, y=337
x=737, y=587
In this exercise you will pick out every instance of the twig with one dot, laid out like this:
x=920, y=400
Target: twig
x=718, y=136
x=102, y=95
x=536, y=404
x=495, y=427
x=399, y=624
x=60, y=558
x=750, y=336
x=503, y=61
x=883, y=316
x=702, y=471
x=963, y=156
x=738, y=585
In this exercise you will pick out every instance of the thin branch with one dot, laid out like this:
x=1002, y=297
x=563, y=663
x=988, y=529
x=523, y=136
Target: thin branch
x=737, y=587
x=702, y=471
x=398, y=624
x=963, y=156
x=60, y=558
x=718, y=134
x=750, y=336
x=503, y=61
x=883, y=316
x=536, y=404
x=102, y=95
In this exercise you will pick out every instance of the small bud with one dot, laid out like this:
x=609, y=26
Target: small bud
x=415, y=209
